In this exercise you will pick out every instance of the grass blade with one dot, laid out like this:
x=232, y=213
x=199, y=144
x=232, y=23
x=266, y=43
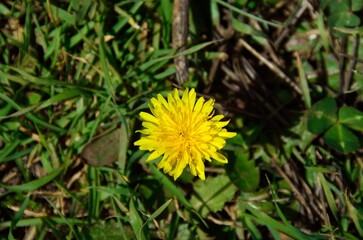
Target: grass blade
x=136, y=221
x=171, y=186
x=157, y=213
x=35, y=184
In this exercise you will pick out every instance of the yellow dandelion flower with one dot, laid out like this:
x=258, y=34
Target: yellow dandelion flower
x=183, y=131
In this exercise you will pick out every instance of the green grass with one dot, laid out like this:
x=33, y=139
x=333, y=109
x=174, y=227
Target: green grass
x=74, y=76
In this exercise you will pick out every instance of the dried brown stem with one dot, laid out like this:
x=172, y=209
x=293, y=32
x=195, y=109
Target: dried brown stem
x=180, y=34
x=271, y=66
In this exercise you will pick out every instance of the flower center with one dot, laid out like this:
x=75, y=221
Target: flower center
x=185, y=140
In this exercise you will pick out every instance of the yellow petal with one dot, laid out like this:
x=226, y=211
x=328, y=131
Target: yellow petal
x=200, y=167
x=154, y=111
x=150, y=125
x=225, y=134
x=217, y=117
x=169, y=163
x=162, y=162
x=193, y=169
x=171, y=103
x=167, y=167
x=146, y=131
x=176, y=95
x=154, y=155
x=221, y=124
x=218, y=142
x=219, y=157
x=142, y=141
x=192, y=97
x=208, y=107
x=206, y=138
x=205, y=152
x=147, y=144
x=182, y=162
x=201, y=173
x=155, y=103
x=203, y=129
x=148, y=117
x=162, y=100
x=185, y=97
x=198, y=106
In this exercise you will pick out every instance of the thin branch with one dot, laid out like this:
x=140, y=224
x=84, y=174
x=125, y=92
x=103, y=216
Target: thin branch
x=180, y=34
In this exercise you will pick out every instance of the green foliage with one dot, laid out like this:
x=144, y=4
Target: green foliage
x=343, y=13
x=136, y=221
x=342, y=139
x=243, y=172
x=323, y=117
x=212, y=194
x=351, y=118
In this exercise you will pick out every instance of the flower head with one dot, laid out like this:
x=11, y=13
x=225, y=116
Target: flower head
x=183, y=131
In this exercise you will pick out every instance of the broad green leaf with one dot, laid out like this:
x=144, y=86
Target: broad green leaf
x=33, y=97
x=322, y=115
x=323, y=4
x=104, y=150
x=332, y=72
x=341, y=139
x=211, y=195
x=336, y=6
x=243, y=172
x=351, y=117
x=343, y=19
x=357, y=5
x=183, y=232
